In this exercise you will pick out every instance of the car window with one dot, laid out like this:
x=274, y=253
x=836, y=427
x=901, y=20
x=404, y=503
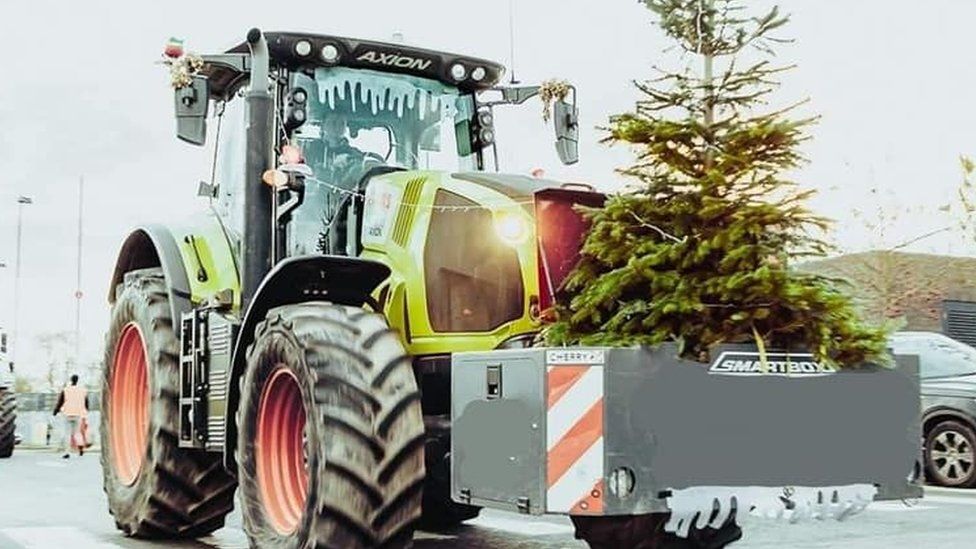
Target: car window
x=938, y=356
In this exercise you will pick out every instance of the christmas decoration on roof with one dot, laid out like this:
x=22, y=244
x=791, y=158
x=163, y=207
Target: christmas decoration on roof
x=183, y=66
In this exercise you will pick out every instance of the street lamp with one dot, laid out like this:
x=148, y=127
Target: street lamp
x=21, y=202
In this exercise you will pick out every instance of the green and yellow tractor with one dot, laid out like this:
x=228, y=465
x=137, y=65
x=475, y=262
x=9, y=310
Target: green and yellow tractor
x=294, y=341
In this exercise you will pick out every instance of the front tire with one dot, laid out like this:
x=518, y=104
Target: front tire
x=8, y=418
x=331, y=435
x=950, y=455
x=155, y=489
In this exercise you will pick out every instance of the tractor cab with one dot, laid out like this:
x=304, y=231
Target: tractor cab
x=355, y=108
x=387, y=152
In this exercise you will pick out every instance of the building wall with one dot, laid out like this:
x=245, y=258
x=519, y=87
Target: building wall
x=906, y=288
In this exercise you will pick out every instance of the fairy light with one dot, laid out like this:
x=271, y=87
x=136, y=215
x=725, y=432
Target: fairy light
x=426, y=207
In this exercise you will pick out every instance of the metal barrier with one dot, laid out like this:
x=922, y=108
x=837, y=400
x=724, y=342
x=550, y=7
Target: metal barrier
x=38, y=427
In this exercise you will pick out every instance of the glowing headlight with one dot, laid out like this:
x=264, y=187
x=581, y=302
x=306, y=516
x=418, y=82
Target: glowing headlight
x=478, y=74
x=458, y=71
x=511, y=228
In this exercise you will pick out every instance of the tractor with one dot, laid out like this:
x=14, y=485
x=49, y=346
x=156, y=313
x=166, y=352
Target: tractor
x=8, y=401
x=346, y=337
x=293, y=342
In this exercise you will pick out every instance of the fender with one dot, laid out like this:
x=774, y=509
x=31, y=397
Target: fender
x=154, y=246
x=337, y=279
x=945, y=412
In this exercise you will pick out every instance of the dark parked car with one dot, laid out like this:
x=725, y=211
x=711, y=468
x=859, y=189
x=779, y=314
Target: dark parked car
x=948, y=376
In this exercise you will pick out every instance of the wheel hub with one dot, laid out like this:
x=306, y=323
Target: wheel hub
x=280, y=451
x=952, y=456
x=129, y=405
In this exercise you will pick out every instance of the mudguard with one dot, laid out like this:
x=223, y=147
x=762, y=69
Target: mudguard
x=337, y=279
x=196, y=258
x=154, y=246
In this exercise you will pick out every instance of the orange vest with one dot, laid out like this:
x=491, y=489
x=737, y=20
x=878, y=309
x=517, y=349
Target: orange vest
x=74, y=401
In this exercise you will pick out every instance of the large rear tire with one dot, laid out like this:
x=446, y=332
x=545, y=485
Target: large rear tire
x=155, y=489
x=8, y=417
x=330, y=432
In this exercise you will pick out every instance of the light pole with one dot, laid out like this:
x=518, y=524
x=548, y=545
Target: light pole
x=21, y=202
x=78, y=294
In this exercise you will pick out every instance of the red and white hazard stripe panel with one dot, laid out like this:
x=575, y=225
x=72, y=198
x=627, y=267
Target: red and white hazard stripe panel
x=574, y=439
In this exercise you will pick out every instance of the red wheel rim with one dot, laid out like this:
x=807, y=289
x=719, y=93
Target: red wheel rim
x=129, y=405
x=280, y=451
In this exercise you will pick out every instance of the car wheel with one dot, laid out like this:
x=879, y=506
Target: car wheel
x=950, y=455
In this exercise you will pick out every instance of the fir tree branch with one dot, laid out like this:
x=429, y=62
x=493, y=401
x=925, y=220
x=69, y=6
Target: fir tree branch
x=659, y=230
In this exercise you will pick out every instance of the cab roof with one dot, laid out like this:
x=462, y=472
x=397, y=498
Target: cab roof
x=285, y=51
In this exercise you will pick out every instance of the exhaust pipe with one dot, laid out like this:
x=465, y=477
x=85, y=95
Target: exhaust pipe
x=256, y=252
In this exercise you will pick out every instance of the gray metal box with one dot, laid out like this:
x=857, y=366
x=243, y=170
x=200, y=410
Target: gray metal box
x=610, y=431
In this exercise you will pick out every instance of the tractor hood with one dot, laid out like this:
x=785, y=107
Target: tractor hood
x=523, y=187
x=560, y=228
x=514, y=186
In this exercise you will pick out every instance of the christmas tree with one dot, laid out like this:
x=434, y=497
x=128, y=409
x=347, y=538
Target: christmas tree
x=699, y=250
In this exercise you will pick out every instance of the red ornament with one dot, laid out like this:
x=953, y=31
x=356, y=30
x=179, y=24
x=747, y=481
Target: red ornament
x=290, y=154
x=174, y=48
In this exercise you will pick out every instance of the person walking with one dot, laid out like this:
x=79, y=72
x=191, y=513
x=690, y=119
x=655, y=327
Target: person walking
x=73, y=404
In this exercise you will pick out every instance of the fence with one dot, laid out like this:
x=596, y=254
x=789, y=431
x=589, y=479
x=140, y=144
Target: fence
x=38, y=427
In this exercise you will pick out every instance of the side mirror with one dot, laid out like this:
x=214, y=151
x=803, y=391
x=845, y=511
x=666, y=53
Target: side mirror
x=191, y=111
x=566, y=125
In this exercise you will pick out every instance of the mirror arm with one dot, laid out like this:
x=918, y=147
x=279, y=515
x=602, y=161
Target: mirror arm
x=239, y=62
x=514, y=95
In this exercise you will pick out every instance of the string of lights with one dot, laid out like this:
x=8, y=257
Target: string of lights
x=427, y=207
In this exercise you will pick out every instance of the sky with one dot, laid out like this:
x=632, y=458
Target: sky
x=81, y=96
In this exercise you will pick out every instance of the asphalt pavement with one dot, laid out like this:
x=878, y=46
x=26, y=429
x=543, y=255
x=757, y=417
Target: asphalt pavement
x=49, y=502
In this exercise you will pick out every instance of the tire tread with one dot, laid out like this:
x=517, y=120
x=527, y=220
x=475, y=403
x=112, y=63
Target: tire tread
x=373, y=466
x=186, y=493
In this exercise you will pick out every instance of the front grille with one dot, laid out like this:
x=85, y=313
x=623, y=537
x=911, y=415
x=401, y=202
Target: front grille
x=407, y=210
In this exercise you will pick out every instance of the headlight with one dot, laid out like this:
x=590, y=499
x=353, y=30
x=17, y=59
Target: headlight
x=303, y=48
x=330, y=53
x=511, y=228
x=458, y=72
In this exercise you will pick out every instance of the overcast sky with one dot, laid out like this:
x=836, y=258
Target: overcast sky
x=80, y=95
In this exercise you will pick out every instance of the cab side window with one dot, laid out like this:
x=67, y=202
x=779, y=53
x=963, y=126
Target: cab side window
x=230, y=168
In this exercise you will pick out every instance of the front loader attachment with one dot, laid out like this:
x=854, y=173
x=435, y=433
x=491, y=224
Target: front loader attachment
x=628, y=431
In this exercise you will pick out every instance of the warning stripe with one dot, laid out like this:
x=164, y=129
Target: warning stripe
x=592, y=503
x=575, y=487
x=561, y=379
x=573, y=405
x=574, y=443
x=574, y=439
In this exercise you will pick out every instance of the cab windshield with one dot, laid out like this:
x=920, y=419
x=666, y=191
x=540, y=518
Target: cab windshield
x=359, y=119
